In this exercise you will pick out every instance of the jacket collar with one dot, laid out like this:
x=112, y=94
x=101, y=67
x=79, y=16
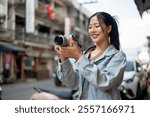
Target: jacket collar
x=111, y=50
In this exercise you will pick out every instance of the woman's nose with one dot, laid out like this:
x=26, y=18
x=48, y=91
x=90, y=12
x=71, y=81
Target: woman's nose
x=93, y=29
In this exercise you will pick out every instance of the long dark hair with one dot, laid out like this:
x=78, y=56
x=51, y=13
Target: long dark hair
x=109, y=20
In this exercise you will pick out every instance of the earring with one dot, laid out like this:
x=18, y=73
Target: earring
x=108, y=31
x=109, y=39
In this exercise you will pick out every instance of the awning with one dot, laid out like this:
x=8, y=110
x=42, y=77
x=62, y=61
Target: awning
x=4, y=47
x=36, y=53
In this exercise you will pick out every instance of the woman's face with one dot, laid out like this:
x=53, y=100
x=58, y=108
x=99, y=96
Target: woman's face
x=98, y=32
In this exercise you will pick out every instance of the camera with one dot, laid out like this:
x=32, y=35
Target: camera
x=61, y=40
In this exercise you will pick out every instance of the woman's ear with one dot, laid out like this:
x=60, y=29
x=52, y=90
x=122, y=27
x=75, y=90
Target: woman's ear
x=109, y=28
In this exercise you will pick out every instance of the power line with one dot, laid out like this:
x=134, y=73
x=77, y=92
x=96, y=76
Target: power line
x=90, y=2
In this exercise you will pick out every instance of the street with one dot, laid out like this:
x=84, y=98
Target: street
x=23, y=90
x=20, y=91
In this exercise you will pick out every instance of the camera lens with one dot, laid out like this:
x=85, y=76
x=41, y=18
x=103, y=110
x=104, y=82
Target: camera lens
x=58, y=40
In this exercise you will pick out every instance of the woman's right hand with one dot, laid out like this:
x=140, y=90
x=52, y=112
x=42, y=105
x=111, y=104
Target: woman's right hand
x=58, y=51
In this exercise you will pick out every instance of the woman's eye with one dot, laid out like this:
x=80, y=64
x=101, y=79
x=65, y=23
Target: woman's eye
x=97, y=26
x=90, y=27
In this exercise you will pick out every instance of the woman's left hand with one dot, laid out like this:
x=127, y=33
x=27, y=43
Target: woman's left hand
x=71, y=51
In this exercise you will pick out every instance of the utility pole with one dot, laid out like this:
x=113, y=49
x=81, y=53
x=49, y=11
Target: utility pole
x=81, y=16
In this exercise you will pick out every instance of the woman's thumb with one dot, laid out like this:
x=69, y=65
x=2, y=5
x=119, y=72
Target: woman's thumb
x=72, y=42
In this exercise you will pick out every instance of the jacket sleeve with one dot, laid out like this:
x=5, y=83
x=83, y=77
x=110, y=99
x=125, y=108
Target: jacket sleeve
x=110, y=76
x=67, y=74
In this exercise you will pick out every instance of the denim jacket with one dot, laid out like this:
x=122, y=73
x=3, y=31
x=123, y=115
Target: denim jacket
x=95, y=80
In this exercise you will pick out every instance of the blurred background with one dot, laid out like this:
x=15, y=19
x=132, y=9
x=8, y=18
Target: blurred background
x=28, y=28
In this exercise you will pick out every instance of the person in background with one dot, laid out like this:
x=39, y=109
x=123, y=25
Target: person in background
x=148, y=63
x=148, y=41
x=143, y=56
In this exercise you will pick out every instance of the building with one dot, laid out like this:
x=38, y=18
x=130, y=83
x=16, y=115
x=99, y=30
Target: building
x=27, y=30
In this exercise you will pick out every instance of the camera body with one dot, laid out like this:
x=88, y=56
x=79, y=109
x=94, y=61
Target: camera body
x=62, y=40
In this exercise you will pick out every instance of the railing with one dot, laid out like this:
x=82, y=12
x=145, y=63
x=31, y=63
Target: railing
x=7, y=35
x=19, y=1
x=37, y=39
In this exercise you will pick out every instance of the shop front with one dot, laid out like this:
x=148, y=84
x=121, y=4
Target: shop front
x=37, y=63
x=10, y=65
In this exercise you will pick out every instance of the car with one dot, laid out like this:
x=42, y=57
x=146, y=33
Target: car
x=0, y=92
x=1, y=81
x=134, y=83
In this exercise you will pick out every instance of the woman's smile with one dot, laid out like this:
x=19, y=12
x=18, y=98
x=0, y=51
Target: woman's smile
x=94, y=36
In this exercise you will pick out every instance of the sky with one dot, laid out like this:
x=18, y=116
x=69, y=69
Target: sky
x=132, y=28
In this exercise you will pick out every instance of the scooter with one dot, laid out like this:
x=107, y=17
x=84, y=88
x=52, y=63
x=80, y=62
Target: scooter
x=1, y=81
x=43, y=93
x=52, y=94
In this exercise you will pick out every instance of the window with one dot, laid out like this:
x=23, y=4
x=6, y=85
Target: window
x=129, y=66
x=45, y=31
x=28, y=62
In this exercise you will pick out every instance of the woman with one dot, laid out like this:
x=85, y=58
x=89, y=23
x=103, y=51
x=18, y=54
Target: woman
x=98, y=71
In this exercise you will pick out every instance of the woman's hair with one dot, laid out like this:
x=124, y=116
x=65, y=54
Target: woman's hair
x=109, y=20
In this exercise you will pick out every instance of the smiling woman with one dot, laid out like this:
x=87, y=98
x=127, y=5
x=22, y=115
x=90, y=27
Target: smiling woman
x=97, y=72
x=100, y=68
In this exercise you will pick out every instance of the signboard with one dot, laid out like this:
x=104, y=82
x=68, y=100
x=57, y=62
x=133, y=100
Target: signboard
x=30, y=16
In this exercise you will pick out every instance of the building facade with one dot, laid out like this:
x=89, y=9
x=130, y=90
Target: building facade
x=27, y=30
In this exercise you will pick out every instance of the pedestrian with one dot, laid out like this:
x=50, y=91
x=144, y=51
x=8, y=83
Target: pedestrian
x=148, y=42
x=100, y=69
x=143, y=56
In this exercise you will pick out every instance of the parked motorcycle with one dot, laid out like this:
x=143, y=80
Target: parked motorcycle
x=4, y=76
x=53, y=94
x=1, y=81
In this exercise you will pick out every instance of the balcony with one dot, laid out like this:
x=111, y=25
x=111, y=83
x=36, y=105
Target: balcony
x=6, y=35
x=19, y=1
x=33, y=40
x=60, y=14
x=40, y=38
x=41, y=10
x=59, y=10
